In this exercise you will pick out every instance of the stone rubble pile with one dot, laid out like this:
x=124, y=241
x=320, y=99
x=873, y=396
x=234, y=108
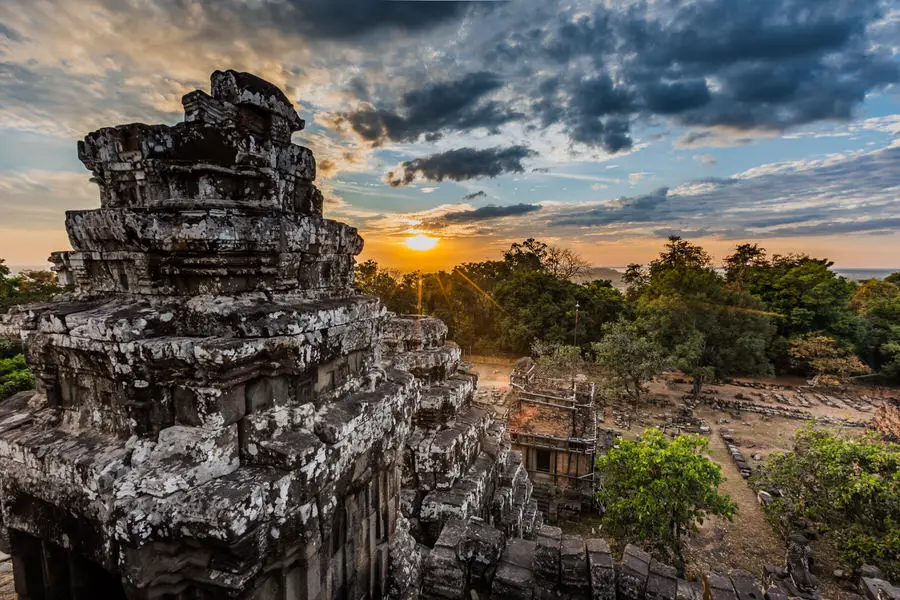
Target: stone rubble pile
x=729, y=405
x=737, y=456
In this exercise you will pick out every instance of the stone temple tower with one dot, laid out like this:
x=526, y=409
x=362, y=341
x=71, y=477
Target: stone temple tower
x=210, y=419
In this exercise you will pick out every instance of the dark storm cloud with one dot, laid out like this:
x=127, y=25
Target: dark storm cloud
x=762, y=65
x=592, y=69
x=474, y=196
x=446, y=106
x=10, y=33
x=484, y=213
x=461, y=164
x=671, y=98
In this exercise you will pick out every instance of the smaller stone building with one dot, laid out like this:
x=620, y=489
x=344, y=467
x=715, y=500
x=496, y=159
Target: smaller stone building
x=555, y=428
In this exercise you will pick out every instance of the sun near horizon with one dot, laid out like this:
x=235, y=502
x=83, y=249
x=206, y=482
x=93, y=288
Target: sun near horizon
x=421, y=242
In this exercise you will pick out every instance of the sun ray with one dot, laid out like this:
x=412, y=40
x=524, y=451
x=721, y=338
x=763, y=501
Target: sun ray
x=475, y=285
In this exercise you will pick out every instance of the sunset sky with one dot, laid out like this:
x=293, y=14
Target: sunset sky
x=601, y=126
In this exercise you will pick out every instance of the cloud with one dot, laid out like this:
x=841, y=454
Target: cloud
x=474, y=196
x=589, y=70
x=429, y=112
x=10, y=33
x=707, y=160
x=838, y=194
x=623, y=210
x=461, y=164
x=39, y=198
x=634, y=178
x=889, y=225
x=484, y=213
x=344, y=20
x=757, y=66
x=708, y=138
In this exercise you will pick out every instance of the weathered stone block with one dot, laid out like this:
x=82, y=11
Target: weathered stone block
x=879, y=589
x=745, y=586
x=602, y=570
x=662, y=582
x=776, y=594
x=718, y=587
x=633, y=572
x=689, y=590
x=547, y=555
x=514, y=579
x=574, y=576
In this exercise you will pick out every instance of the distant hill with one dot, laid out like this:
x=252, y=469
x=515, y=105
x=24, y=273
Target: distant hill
x=16, y=269
x=603, y=273
x=863, y=274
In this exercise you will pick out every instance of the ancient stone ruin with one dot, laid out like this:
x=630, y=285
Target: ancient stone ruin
x=219, y=414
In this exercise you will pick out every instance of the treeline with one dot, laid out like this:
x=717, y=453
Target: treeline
x=755, y=315
x=24, y=288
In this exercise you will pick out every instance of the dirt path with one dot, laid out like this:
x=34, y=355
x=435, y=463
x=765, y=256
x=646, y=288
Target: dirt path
x=723, y=544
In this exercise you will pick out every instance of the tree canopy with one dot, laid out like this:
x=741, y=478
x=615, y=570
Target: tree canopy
x=849, y=488
x=656, y=491
x=630, y=357
x=756, y=315
x=504, y=306
x=710, y=329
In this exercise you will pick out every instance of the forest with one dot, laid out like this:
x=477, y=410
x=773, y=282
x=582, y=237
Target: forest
x=752, y=315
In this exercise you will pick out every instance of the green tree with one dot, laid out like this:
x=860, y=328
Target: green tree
x=630, y=358
x=14, y=376
x=746, y=256
x=656, y=492
x=24, y=288
x=534, y=255
x=878, y=303
x=530, y=255
x=537, y=305
x=557, y=360
x=849, y=488
x=709, y=328
x=806, y=292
